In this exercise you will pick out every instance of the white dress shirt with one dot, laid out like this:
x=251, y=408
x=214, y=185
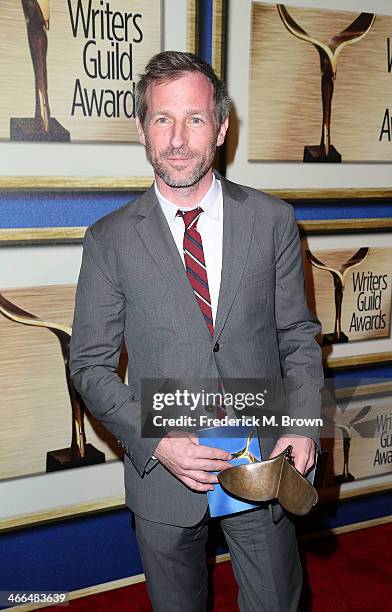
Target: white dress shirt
x=210, y=226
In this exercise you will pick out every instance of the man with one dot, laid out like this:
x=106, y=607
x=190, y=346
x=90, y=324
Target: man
x=215, y=293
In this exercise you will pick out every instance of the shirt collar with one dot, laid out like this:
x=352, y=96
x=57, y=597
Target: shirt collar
x=209, y=203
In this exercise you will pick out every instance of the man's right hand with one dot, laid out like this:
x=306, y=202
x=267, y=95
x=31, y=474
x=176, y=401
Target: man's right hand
x=190, y=461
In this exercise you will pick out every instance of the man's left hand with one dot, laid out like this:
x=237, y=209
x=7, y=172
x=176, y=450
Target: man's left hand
x=303, y=452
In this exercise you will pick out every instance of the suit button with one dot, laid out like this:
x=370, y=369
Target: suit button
x=216, y=347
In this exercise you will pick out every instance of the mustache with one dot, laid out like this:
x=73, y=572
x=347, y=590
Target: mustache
x=181, y=152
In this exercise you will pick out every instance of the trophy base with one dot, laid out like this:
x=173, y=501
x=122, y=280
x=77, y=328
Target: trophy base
x=314, y=155
x=63, y=459
x=344, y=478
x=30, y=129
x=334, y=339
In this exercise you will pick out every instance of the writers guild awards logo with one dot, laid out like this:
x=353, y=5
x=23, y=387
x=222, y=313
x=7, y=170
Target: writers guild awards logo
x=42, y=126
x=329, y=53
x=80, y=453
x=365, y=429
x=339, y=277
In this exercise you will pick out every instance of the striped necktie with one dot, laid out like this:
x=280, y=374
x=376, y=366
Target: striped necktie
x=195, y=264
x=197, y=273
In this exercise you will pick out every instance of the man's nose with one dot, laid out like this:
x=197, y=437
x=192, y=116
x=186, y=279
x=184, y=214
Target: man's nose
x=178, y=136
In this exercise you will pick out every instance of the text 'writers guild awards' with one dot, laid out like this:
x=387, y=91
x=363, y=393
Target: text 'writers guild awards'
x=339, y=278
x=79, y=453
x=329, y=53
x=41, y=127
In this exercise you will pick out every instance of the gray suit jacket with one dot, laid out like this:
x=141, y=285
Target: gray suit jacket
x=133, y=285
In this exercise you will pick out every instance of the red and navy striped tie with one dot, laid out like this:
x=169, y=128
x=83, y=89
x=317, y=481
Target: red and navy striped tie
x=197, y=273
x=195, y=264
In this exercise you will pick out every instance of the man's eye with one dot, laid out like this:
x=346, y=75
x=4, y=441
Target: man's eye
x=162, y=120
x=196, y=120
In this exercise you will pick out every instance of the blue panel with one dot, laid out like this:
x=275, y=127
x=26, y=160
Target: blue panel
x=53, y=209
x=205, y=30
x=361, y=210
x=360, y=376
x=338, y=514
x=376, y=371
x=72, y=554
x=73, y=209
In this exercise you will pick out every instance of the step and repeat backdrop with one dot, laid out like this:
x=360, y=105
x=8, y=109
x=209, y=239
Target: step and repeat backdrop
x=311, y=91
x=348, y=283
x=39, y=411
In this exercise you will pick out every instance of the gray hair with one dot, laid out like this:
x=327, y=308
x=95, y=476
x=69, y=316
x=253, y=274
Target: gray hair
x=171, y=65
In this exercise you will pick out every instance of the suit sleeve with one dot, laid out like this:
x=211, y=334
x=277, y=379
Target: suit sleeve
x=300, y=354
x=97, y=336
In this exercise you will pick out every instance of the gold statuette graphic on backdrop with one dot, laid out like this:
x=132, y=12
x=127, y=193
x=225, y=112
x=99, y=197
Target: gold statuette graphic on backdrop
x=366, y=429
x=79, y=454
x=339, y=277
x=42, y=126
x=329, y=53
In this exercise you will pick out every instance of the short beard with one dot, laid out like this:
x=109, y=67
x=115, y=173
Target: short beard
x=160, y=168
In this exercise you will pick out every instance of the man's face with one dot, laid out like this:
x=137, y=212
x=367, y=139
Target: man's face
x=180, y=133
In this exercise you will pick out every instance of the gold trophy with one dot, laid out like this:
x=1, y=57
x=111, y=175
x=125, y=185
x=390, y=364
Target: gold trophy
x=329, y=53
x=339, y=278
x=80, y=453
x=264, y=481
x=41, y=127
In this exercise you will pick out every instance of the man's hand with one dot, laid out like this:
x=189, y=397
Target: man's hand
x=190, y=462
x=303, y=451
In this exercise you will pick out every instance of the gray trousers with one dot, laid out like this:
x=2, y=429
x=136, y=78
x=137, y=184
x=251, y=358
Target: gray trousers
x=264, y=557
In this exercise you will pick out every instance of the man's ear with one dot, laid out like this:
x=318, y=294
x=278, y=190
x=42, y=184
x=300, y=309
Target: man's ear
x=140, y=131
x=222, y=132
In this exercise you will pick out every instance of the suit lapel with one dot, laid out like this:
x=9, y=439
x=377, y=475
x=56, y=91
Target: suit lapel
x=238, y=223
x=158, y=240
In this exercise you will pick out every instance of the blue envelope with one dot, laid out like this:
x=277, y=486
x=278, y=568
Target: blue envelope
x=220, y=502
